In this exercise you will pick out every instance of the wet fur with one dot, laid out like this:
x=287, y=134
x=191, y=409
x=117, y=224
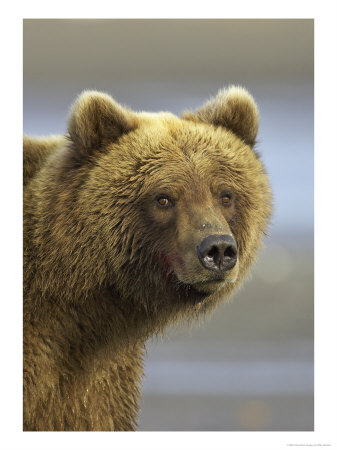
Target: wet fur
x=99, y=258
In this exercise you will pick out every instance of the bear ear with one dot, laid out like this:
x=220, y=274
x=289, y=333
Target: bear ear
x=96, y=119
x=233, y=108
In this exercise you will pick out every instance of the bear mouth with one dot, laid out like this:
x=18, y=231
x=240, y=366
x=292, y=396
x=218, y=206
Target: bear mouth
x=197, y=292
x=188, y=292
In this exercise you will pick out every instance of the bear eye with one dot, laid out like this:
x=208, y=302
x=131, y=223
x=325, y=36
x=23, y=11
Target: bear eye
x=226, y=198
x=164, y=201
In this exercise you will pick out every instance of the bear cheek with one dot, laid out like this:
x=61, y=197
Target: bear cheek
x=185, y=263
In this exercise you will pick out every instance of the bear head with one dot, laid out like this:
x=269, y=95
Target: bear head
x=165, y=213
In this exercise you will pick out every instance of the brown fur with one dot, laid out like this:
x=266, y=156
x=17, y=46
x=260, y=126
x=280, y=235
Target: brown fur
x=106, y=267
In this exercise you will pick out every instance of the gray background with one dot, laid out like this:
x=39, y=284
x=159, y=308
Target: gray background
x=249, y=366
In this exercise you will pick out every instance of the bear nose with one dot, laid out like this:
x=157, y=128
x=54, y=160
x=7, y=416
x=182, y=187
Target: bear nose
x=218, y=252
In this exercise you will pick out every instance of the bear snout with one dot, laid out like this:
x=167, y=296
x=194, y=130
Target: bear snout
x=218, y=252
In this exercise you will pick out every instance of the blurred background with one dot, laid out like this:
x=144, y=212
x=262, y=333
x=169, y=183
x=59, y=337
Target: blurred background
x=251, y=365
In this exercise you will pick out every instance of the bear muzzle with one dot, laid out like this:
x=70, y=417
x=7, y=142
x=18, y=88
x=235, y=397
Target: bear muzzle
x=218, y=253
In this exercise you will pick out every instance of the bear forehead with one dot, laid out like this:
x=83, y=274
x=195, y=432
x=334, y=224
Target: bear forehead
x=169, y=132
x=165, y=139
x=165, y=152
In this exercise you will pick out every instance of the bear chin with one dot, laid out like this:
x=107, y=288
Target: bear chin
x=197, y=292
x=189, y=293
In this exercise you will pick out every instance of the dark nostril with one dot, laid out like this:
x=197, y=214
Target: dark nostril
x=213, y=253
x=230, y=251
x=218, y=252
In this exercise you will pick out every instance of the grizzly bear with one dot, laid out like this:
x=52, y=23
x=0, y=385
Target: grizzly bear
x=132, y=221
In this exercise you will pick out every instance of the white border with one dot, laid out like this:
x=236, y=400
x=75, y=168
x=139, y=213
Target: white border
x=324, y=13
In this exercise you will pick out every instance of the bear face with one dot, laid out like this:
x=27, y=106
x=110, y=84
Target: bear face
x=167, y=213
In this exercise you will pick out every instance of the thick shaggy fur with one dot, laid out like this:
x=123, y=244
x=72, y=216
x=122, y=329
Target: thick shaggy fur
x=106, y=266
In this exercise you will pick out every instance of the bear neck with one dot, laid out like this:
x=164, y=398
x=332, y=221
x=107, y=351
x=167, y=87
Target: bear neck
x=97, y=323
